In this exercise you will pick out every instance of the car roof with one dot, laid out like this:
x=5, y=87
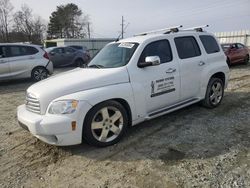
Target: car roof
x=143, y=38
x=20, y=44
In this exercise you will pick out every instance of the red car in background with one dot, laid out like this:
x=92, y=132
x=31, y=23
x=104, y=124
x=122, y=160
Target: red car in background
x=236, y=53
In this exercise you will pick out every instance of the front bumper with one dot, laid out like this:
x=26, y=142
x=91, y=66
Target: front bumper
x=52, y=129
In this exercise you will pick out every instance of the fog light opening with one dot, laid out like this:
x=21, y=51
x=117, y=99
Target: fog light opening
x=73, y=125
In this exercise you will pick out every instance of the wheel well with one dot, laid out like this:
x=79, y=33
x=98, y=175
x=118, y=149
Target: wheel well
x=125, y=104
x=38, y=67
x=219, y=75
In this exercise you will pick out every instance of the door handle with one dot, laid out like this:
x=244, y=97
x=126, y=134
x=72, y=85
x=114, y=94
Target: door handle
x=201, y=63
x=170, y=70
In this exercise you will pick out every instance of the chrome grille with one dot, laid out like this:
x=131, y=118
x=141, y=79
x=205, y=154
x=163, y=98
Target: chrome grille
x=32, y=104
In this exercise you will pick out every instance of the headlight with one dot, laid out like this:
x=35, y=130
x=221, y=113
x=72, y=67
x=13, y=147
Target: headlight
x=63, y=107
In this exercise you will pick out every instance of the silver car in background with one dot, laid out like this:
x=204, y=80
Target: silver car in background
x=65, y=56
x=24, y=61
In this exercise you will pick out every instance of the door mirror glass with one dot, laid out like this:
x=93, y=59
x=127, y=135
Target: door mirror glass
x=150, y=61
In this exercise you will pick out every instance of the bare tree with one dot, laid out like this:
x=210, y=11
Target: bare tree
x=32, y=28
x=5, y=19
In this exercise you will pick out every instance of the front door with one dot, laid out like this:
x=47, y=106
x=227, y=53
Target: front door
x=158, y=85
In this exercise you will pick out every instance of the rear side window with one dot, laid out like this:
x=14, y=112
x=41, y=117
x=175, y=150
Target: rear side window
x=21, y=51
x=210, y=44
x=30, y=50
x=159, y=48
x=187, y=47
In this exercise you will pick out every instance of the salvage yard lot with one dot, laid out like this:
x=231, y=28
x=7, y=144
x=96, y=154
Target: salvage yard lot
x=190, y=147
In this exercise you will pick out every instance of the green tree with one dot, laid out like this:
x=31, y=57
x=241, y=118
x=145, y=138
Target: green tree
x=67, y=21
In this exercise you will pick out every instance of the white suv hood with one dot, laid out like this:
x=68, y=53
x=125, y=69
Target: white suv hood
x=74, y=81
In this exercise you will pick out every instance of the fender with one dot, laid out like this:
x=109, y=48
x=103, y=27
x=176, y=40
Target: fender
x=208, y=73
x=98, y=95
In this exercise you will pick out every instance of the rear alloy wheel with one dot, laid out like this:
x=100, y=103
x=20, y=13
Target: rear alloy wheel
x=105, y=124
x=39, y=73
x=246, y=61
x=214, y=94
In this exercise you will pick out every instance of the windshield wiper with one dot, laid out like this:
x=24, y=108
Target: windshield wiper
x=96, y=66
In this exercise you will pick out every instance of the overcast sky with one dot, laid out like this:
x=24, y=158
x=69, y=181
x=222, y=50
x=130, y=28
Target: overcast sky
x=145, y=15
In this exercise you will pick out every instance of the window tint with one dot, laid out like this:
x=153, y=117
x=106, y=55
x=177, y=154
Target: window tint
x=3, y=51
x=69, y=50
x=30, y=50
x=210, y=44
x=21, y=51
x=58, y=50
x=187, y=47
x=159, y=48
x=240, y=46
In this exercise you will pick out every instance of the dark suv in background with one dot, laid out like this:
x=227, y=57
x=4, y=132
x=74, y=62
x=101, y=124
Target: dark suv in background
x=65, y=56
x=236, y=53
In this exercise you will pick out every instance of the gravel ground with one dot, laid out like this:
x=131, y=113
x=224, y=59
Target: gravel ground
x=192, y=147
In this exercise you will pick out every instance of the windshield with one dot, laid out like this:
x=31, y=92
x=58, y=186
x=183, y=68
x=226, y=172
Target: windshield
x=114, y=55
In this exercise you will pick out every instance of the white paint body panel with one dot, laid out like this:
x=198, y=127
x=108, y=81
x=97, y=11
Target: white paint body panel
x=128, y=83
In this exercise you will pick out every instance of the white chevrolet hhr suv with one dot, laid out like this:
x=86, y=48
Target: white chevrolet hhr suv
x=24, y=61
x=128, y=82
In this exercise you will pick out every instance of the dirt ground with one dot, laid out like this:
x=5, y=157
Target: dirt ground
x=192, y=147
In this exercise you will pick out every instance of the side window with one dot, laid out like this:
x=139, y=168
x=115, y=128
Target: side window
x=69, y=50
x=30, y=50
x=187, y=47
x=3, y=52
x=58, y=50
x=159, y=48
x=240, y=46
x=210, y=44
x=16, y=51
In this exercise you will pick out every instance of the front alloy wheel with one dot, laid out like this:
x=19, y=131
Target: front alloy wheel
x=105, y=124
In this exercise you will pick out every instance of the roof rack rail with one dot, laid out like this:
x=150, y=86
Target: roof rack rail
x=198, y=28
x=163, y=31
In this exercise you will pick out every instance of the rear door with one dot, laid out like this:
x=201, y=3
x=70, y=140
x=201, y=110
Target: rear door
x=70, y=55
x=191, y=65
x=21, y=60
x=4, y=63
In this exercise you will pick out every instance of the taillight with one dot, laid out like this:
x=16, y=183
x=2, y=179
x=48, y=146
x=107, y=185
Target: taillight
x=46, y=55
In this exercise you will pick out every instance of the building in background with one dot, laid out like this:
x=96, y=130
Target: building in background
x=93, y=45
x=242, y=36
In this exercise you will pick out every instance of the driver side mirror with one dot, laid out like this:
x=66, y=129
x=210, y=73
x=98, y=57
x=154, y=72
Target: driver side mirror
x=150, y=61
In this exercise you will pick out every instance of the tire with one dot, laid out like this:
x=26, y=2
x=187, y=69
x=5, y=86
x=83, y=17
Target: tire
x=229, y=62
x=79, y=62
x=105, y=124
x=246, y=61
x=39, y=73
x=214, y=93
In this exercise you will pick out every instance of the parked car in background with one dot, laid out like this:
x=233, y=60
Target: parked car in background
x=23, y=61
x=84, y=49
x=236, y=53
x=65, y=56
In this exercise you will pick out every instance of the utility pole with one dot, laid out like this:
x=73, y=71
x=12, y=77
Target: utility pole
x=122, y=26
x=88, y=31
